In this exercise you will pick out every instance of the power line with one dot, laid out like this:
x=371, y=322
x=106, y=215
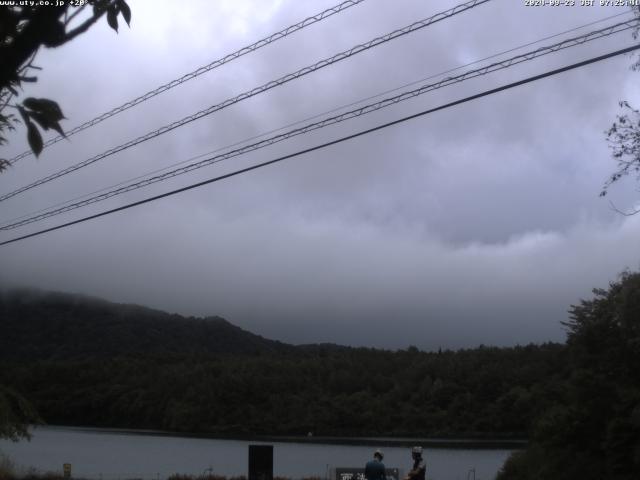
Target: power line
x=318, y=115
x=617, y=28
x=333, y=142
x=495, y=55
x=263, y=88
x=528, y=56
x=199, y=71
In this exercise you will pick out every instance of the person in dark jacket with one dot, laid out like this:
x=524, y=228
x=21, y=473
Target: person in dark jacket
x=374, y=469
x=419, y=467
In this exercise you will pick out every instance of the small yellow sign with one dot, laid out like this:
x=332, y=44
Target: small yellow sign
x=66, y=469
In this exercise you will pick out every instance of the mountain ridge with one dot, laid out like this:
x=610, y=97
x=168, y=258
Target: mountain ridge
x=46, y=325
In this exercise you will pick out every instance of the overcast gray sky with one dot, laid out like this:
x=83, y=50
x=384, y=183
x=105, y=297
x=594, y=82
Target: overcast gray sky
x=477, y=224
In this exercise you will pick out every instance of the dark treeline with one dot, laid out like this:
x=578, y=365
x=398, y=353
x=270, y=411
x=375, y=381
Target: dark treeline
x=38, y=325
x=85, y=361
x=577, y=403
x=592, y=429
x=481, y=392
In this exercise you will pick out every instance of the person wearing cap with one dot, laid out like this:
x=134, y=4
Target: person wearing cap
x=419, y=467
x=374, y=469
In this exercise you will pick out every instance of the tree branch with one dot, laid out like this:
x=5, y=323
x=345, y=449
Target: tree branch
x=74, y=14
x=83, y=27
x=26, y=43
x=626, y=214
x=6, y=102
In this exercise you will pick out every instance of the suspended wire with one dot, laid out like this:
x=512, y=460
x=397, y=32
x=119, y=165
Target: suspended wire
x=495, y=55
x=199, y=71
x=327, y=112
x=263, y=88
x=367, y=109
x=504, y=64
x=318, y=115
x=330, y=143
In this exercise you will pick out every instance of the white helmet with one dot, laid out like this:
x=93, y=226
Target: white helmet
x=416, y=450
x=378, y=453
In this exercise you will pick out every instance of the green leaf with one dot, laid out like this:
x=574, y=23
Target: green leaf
x=53, y=34
x=34, y=138
x=112, y=18
x=41, y=120
x=125, y=10
x=45, y=121
x=99, y=6
x=56, y=126
x=23, y=114
x=43, y=105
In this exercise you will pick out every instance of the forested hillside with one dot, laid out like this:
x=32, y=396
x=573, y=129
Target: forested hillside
x=592, y=429
x=579, y=403
x=85, y=361
x=55, y=326
x=351, y=392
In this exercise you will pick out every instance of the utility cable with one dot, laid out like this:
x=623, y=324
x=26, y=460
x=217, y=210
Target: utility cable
x=318, y=115
x=333, y=142
x=572, y=42
x=199, y=71
x=250, y=93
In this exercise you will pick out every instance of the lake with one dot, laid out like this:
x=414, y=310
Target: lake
x=113, y=455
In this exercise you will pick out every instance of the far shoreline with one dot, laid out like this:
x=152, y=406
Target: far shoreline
x=440, y=443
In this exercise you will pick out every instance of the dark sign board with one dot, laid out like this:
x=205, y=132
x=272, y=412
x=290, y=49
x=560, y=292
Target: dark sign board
x=358, y=474
x=260, y=462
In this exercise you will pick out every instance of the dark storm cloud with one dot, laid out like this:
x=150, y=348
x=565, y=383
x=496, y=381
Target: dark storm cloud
x=478, y=224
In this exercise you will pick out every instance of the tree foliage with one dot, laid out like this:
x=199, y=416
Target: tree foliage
x=579, y=403
x=624, y=136
x=88, y=362
x=24, y=29
x=16, y=414
x=485, y=392
x=593, y=430
x=624, y=141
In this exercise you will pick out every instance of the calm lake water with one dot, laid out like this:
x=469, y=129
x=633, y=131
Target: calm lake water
x=108, y=455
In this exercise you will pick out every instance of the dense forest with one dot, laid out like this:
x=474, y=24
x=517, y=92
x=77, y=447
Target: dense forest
x=38, y=325
x=352, y=392
x=83, y=361
x=592, y=429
